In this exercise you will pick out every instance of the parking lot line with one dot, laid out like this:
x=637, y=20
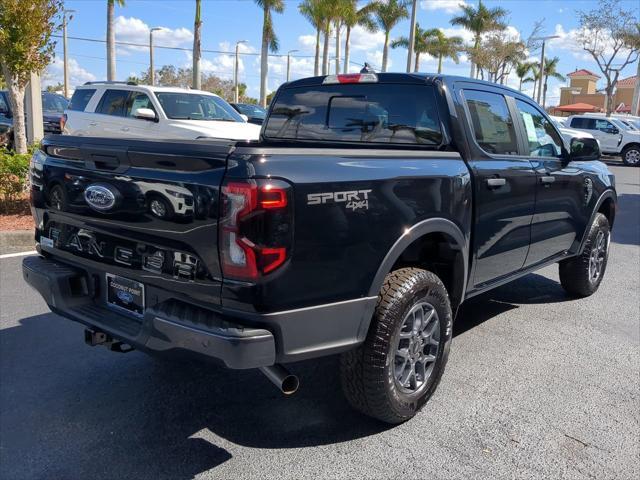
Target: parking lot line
x=18, y=254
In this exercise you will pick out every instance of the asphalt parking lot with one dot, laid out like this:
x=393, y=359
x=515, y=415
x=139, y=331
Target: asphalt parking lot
x=538, y=385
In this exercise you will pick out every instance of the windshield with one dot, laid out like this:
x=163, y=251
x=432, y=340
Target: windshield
x=620, y=124
x=253, y=111
x=54, y=103
x=629, y=124
x=195, y=106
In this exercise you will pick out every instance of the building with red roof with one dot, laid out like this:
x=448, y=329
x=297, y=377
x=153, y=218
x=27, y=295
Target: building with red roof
x=582, y=90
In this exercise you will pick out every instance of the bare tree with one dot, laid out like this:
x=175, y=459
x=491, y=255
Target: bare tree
x=609, y=34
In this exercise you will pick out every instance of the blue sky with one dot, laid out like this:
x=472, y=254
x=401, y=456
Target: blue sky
x=226, y=21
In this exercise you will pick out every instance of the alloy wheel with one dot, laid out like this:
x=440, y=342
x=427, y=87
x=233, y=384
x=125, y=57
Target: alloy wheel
x=632, y=157
x=416, y=348
x=598, y=256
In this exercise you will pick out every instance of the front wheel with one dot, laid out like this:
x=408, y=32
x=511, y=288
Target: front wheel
x=631, y=156
x=398, y=367
x=581, y=276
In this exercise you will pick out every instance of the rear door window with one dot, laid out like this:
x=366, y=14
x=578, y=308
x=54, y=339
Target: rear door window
x=492, y=123
x=80, y=99
x=113, y=102
x=583, y=123
x=363, y=113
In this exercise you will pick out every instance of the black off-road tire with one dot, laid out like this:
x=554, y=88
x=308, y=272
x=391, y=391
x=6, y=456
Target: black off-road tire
x=367, y=372
x=575, y=274
x=631, y=155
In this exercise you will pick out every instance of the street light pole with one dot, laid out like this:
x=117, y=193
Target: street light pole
x=64, y=47
x=236, y=96
x=152, y=76
x=541, y=80
x=412, y=36
x=289, y=62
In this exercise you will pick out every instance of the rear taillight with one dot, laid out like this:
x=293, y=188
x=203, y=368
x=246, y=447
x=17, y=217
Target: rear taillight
x=63, y=121
x=255, y=228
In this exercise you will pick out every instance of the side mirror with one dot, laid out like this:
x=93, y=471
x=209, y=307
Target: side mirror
x=145, y=114
x=244, y=117
x=613, y=131
x=584, y=149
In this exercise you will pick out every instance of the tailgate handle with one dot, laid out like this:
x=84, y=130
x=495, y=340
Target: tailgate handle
x=105, y=162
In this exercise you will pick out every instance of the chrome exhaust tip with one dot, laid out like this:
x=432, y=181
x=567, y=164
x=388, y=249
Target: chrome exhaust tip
x=281, y=378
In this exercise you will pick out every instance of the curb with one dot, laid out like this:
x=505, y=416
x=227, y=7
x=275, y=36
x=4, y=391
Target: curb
x=12, y=241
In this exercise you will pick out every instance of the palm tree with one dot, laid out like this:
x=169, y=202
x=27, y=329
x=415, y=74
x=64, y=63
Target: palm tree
x=550, y=70
x=441, y=46
x=111, y=39
x=420, y=44
x=357, y=16
x=478, y=21
x=340, y=10
x=197, y=35
x=314, y=12
x=522, y=69
x=269, y=41
x=387, y=16
x=534, y=77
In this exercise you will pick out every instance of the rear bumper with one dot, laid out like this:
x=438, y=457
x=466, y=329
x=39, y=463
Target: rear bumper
x=169, y=326
x=238, y=339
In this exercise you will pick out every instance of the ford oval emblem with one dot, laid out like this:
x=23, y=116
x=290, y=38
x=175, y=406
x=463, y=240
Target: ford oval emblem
x=100, y=197
x=125, y=297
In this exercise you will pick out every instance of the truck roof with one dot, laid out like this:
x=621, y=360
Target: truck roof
x=415, y=78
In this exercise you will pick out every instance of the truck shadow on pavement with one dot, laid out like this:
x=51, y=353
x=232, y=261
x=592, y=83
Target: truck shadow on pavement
x=72, y=411
x=626, y=229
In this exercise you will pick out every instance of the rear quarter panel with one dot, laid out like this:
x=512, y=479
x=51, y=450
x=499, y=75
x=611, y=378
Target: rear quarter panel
x=338, y=250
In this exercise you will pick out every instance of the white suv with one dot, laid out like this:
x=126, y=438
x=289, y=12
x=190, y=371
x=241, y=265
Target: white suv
x=117, y=109
x=614, y=137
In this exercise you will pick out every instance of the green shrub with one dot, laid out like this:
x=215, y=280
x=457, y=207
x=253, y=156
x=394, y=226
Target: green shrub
x=14, y=172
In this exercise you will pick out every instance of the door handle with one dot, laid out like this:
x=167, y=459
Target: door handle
x=496, y=182
x=125, y=129
x=92, y=124
x=548, y=179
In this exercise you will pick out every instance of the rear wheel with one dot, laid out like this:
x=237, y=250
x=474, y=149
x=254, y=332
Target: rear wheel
x=398, y=367
x=581, y=276
x=631, y=155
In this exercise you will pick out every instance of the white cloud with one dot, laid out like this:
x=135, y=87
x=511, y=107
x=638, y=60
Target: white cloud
x=571, y=41
x=308, y=43
x=134, y=30
x=362, y=39
x=449, y=6
x=55, y=73
x=511, y=32
x=375, y=59
x=465, y=34
x=222, y=65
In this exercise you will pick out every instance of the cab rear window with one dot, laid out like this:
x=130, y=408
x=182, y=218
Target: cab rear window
x=363, y=113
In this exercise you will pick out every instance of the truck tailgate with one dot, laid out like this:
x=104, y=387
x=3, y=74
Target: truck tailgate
x=144, y=210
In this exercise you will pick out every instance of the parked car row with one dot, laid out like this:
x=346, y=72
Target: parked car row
x=53, y=106
x=116, y=109
x=616, y=136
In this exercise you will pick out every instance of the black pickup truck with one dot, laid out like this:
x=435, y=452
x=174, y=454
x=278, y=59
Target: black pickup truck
x=371, y=208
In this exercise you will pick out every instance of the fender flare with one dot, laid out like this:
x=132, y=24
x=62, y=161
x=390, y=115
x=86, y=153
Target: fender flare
x=609, y=193
x=420, y=229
